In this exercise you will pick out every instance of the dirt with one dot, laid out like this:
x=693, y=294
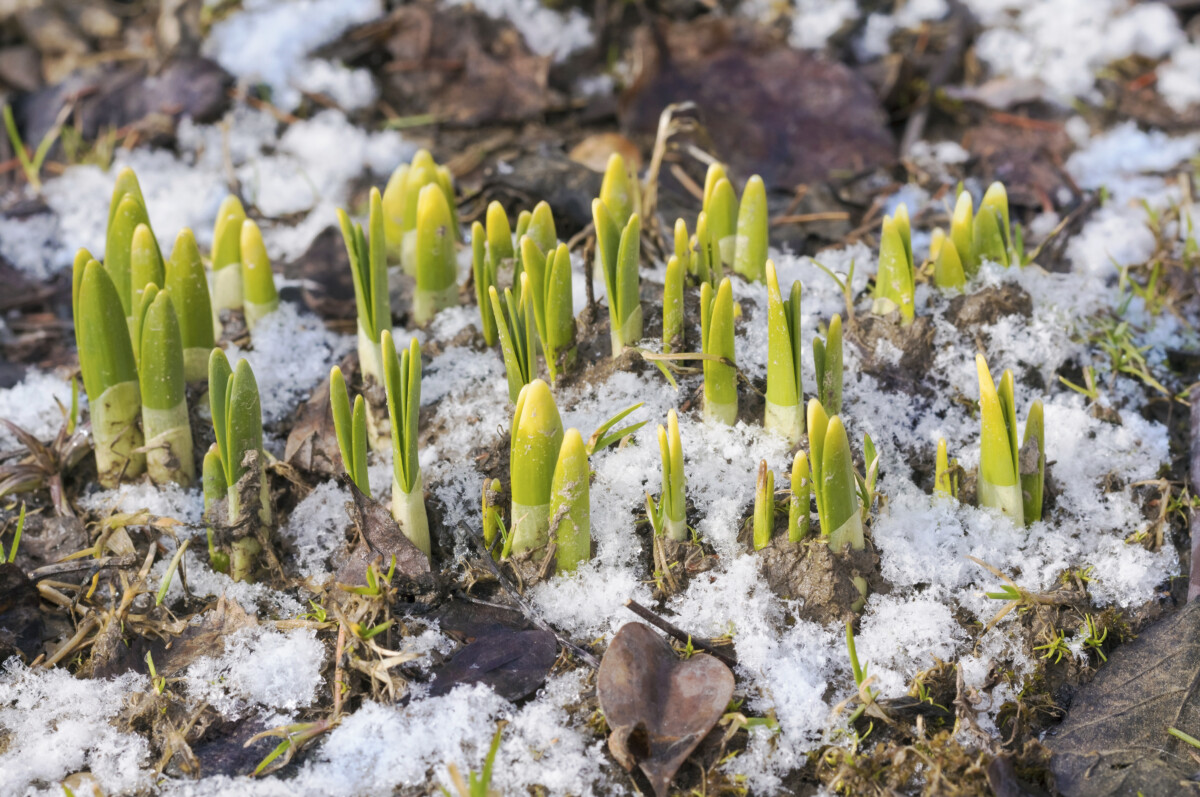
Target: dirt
x=822, y=580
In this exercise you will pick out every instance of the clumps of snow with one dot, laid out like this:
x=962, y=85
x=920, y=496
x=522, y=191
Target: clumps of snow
x=267, y=41
x=291, y=353
x=259, y=667
x=168, y=501
x=351, y=89
x=815, y=21
x=1179, y=79
x=900, y=636
x=37, y=405
x=55, y=724
x=316, y=529
x=547, y=31
x=1062, y=43
x=875, y=39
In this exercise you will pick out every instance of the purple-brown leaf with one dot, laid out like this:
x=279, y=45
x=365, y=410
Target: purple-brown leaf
x=658, y=706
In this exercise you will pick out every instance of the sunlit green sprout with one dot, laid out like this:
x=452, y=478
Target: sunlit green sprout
x=538, y=226
x=720, y=375
x=570, y=519
x=368, y=267
x=962, y=233
x=764, y=506
x=619, y=251
x=895, y=283
x=515, y=323
x=798, y=503
x=350, y=426
x=402, y=378
x=720, y=208
x=259, y=297
x=491, y=248
x=145, y=268
x=669, y=515
x=1011, y=478
x=549, y=278
x=490, y=506
x=785, y=394
x=188, y=288
x=165, y=421
x=214, y=488
x=827, y=361
x=750, y=253
x=706, y=265
x=437, y=265
x=992, y=238
x=945, y=483
x=619, y=191
x=227, y=258
x=237, y=424
x=683, y=247
x=126, y=212
x=672, y=306
x=109, y=375
x=537, y=435
x=401, y=198
x=948, y=271
x=833, y=479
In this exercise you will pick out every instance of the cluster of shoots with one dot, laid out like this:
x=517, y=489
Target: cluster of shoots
x=234, y=475
x=973, y=239
x=669, y=515
x=826, y=471
x=493, y=253
x=144, y=328
x=402, y=383
x=619, y=250
x=402, y=206
x=549, y=481
x=730, y=234
x=1012, y=477
x=242, y=280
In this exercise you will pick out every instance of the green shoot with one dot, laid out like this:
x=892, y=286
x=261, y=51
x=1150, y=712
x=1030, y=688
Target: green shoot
x=515, y=323
x=171, y=568
x=187, y=286
x=436, y=263
x=672, y=336
x=604, y=437
x=32, y=167
x=350, y=427
x=537, y=435
x=165, y=421
x=12, y=552
x=618, y=251
x=401, y=198
x=669, y=515
x=259, y=296
x=750, y=252
x=833, y=479
x=784, y=412
x=368, y=265
x=764, y=506
x=1011, y=478
x=402, y=379
x=570, y=518
x=549, y=278
x=717, y=333
x=895, y=284
x=798, y=503
x=827, y=360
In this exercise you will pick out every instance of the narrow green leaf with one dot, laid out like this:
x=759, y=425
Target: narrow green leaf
x=188, y=287
x=962, y=233
x=841, y=496
x=764, y=507
x=672, y=306
x=720, y=379
x=570, y=513
x=1032, y=463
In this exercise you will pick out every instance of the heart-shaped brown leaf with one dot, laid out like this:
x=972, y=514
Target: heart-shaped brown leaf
x=658, y=706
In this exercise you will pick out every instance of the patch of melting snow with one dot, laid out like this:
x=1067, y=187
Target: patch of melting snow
x=37, y=405
x=268, y=41
x=547, y=31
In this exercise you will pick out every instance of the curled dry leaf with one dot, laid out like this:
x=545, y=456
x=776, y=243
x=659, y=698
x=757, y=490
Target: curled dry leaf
x=379, y=540
x=658, y=706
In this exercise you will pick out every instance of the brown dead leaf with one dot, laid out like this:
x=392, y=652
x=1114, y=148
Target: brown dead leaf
x=658, y=707
x=789, y=116
x=204, y=636
x=380, y=539
x=456, y=63
x=594, y=151
x=312, y=443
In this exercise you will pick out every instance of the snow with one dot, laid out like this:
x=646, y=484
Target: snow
x=39, y=404
x=259, y=667
x=267, y=40
x=546, y=31
x=1062, y=43
x=56, y=724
